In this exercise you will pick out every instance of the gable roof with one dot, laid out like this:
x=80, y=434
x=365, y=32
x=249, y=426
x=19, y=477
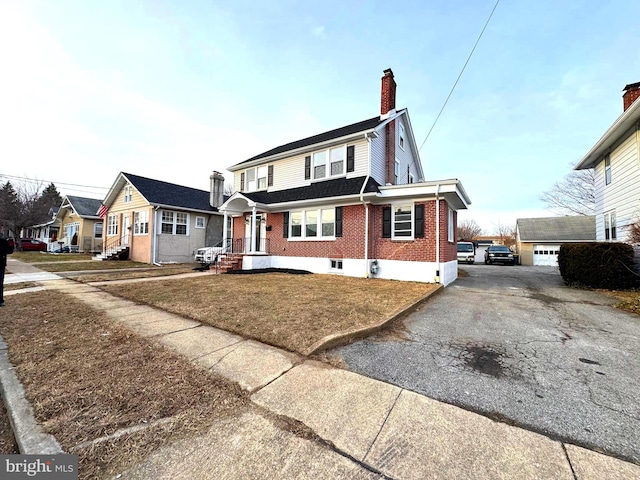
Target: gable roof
x=83, y=206
x=579, y=228
x=164, y=194
x=338, y=187
x=354, y=128
x=622, y=125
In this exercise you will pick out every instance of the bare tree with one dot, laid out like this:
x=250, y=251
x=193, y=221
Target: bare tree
x=228, y=189
x=468, y=229
x=574, y=195
x=506, y=232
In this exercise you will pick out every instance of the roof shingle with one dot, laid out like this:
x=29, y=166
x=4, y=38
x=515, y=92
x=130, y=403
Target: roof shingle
x=85, y=207
x=170, y=194
x=580, y=228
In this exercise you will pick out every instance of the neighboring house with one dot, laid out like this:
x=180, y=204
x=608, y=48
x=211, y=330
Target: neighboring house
x=46, y=232
x=350, y=201
x=161, y=222
x=539, y=239
x=78, y=218
x=616, y=159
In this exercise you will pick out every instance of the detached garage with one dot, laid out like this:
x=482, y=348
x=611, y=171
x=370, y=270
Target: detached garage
x=538, y=239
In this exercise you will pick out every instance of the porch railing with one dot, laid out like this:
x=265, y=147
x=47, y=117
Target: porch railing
x=262, y=245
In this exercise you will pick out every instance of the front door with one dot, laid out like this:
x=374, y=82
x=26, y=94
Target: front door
x=126, y=227
x=259, y=244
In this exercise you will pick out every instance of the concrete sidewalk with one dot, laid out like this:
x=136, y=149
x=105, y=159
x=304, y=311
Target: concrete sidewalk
x=366, y=428
x=23, y=272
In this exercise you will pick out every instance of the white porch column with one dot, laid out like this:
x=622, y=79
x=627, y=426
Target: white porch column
x=253, y=230
x=225, y=234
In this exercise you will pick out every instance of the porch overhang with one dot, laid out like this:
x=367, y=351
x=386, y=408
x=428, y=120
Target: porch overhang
x=451, y=190
x=238, y=204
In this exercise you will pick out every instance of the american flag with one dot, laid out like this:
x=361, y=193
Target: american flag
x=103, y=211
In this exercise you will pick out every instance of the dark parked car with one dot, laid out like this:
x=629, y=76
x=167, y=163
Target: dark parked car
x=30, y=245
x=499, y=254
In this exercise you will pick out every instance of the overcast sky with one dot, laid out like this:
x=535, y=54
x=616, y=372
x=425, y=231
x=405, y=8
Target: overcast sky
x=175, y=89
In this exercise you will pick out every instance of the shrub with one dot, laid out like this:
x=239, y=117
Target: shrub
x=597, y=265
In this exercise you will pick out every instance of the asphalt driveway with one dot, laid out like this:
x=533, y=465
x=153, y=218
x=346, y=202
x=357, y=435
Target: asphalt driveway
x=517, y=345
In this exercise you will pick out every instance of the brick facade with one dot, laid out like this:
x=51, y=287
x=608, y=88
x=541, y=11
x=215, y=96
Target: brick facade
x=351, y=244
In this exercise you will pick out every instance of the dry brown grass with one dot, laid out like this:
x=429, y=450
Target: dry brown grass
x=43, y=257
x=20, y=285
x=87, y=378
x=627, y=300
x=8, y=445
x=289, y=311
x=96, y=265
x=118, y=275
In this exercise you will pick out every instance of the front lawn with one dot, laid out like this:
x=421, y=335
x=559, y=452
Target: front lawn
x=164, y=271
x=627, y=300
x=94, y=265
x=38, y=257
x=289, y=311
x=88, y=377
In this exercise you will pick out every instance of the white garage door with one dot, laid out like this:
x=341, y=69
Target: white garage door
x=546, y=255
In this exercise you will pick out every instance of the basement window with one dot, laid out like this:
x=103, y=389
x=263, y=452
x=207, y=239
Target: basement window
x=336, y=265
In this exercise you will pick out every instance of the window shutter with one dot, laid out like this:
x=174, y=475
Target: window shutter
x=270, y=176
x=242, y=182
x=285, y=225
x=419, y=221
x=351, y=158
x=386, y=222
x=307, y=167
x=338, y=221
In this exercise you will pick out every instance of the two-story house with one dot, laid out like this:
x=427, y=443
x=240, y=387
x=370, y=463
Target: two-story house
x=616, y=159
x=351, y=201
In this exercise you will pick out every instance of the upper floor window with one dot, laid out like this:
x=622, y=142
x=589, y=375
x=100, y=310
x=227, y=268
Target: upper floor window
x=255, y=178
x=401, y=136
x=396, y=172
x=607, y=170
x=128, y=194
x=610, y=226
x=329, y=163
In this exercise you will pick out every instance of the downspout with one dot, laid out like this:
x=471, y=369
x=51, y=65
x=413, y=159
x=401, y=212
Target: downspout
x=437, y=279
x=155, y=235
x=366, y=208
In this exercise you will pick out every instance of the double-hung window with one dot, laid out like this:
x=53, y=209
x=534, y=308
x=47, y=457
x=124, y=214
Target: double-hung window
x=396, y=172
x=174, y=223
x=607, y=170
x=200, y=222
x=97, y=230
x=610, y=226
x=319, y=164
x=327, y=163
x=451, y=229
x=128, y=194
x=255, y=178
x=401, y=136
x=337, y=156
x=141, y=222
x=402, y=221
x=313, y=224
x=112, y=225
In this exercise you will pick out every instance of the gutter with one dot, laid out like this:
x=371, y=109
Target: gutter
x=437, y=279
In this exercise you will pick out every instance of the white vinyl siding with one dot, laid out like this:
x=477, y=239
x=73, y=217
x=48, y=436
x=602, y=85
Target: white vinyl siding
x=378, y=172
x=622, y=195
x=405, y=156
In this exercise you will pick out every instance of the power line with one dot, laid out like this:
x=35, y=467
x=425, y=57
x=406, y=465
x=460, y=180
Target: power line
x=36, y=180
x=460, y=75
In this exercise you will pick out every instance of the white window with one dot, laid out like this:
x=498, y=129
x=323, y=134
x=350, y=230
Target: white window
x=607, y=170
x=336, y=264
x=319, y=164
x=251, y=180
x=175, y=223
x=396, y=172
x=97, y=230
x=112, y=225
x=313, y=224
x=141, y=222
x=200, y=222
x=401, y=136
x=450, y=226
x=402, y=222
x=262, y=177
x=128, y=194
x=610, y=226
x=337, y=156
x=255, y=178
x=410, y=178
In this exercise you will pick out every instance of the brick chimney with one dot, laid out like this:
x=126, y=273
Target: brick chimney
x=216, y=197
x=631, y=93
x=387, y=106
x=388, y=95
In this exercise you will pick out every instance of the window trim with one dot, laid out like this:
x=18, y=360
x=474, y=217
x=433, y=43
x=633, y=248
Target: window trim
x=303, y=225
x=204, y=223
x=95, y=227
x=396, y=172
x=339, y=265
x=174, y=222
x=327, y=163
x=128, y=194
x=402, y=137
x=607, y=169
x=394, y=236
x=141, y=226
x=450, y=226
x=112, y=227
x=610, y=226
